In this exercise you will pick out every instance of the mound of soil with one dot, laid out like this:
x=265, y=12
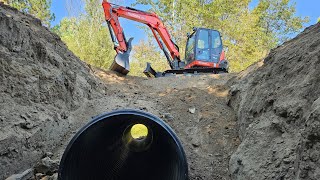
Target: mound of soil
x=262, y=123
x=47, y=94
x=278, y=108
x=42, y=84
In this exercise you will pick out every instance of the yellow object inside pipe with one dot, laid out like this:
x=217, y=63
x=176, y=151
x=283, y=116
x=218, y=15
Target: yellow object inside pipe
x=139, y=131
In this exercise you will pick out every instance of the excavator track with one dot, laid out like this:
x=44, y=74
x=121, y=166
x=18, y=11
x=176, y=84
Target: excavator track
x=151, y=73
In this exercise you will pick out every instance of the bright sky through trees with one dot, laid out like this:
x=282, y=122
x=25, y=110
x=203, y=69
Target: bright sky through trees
x=250, y=28
x=304, y=8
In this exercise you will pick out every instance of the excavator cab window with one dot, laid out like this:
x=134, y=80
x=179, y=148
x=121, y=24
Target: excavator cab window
x=190, y=48
x=216, y=46
x=204, y=45
x=203, y=50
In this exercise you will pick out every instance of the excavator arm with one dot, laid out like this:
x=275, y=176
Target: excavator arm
x=123, y=47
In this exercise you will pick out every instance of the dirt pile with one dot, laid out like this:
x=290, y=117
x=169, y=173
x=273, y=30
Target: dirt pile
x=42, y=83
x=195, y=107
x=209, y=135
x=47, y=94
x=278, y=110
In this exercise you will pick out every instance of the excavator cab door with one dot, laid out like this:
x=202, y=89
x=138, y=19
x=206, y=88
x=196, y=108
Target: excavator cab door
x=190, y=48
x=202, y=45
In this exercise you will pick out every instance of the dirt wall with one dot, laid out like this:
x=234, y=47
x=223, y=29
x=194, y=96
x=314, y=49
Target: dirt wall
x=277, y=107
x=42, y=82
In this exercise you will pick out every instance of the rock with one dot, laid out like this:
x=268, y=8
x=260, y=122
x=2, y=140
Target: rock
x=64, y=115
x=47, y=166
x=195, y=144
x=54, y=176
x=168, y=116
x=26, y=125
x=25, y=175
x=45, y=178
x=48, y=154
x=39, y=176
x=192, y=110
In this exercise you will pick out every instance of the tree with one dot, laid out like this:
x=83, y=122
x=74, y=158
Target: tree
x=147, y=51
x=87, y=35
x=38, y=8
x=248, y=33
x=278, y=20
x=4, y=1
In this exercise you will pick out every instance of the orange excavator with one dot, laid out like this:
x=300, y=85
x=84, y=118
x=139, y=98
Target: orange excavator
x=204, y=49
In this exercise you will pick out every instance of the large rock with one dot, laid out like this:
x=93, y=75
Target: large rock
x=278, y=110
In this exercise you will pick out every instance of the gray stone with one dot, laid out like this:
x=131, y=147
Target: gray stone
x=25, y=175
x=192, y=110
x=47, y=166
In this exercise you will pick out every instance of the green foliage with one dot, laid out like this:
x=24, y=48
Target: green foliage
x=5, y=1
x=277, y=18
x=38, y=8
x=319, y=19
x=145, y=52
x=87, y=36
x=248, y=33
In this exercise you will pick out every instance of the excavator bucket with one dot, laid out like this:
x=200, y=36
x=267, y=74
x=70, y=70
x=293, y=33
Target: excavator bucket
x=121, y=63
x=149, y=71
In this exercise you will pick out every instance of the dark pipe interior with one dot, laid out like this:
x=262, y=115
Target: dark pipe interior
x=103, y=149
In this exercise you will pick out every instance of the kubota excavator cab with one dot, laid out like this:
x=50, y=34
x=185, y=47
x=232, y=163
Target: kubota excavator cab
x=204, y=54
x=204, y=49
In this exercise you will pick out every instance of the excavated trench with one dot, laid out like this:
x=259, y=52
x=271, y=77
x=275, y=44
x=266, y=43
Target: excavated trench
x=262, y=123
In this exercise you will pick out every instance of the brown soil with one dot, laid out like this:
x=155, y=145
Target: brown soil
x=260, y=124
x=47, y=94
x=278, y=110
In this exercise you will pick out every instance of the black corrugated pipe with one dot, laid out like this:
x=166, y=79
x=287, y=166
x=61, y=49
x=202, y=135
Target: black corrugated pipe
x=107, y=149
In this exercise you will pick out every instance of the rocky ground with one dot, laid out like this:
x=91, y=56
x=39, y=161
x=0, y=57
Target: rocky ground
x=262, y=123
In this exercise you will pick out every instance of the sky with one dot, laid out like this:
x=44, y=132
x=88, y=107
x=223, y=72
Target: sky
x=304, y=8
x=59, y=8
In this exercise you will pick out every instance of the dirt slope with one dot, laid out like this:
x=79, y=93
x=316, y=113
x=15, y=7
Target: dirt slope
x=46, y=94
x=278, y=108
x=209, y=135
x=42, y=83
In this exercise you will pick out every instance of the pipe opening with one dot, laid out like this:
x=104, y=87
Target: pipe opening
x=139, y=131
x=138, y=137
x=122, y=145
